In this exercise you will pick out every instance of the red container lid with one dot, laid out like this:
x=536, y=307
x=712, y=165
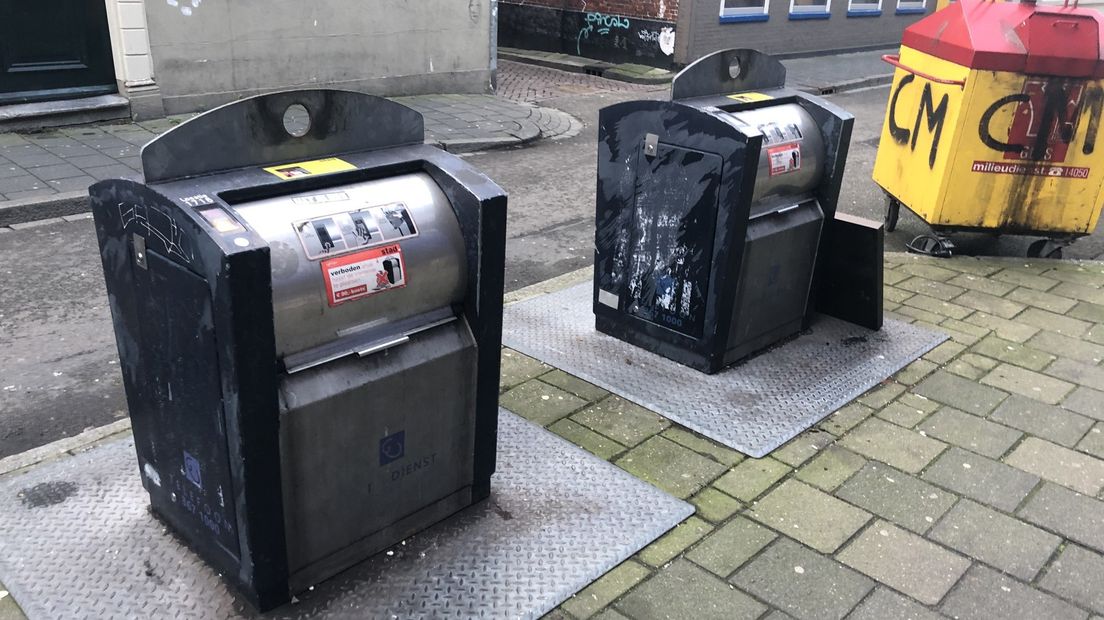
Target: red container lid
x=1009, y=36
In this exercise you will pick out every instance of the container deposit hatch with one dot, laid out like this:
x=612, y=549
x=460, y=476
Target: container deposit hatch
x=307, y=304
x=716, y=226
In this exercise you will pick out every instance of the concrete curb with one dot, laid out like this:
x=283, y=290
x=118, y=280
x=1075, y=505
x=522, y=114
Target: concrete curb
x=594, y=67
x=585, y=65
x=43, y=207
x=62, y=447
x=847, y=85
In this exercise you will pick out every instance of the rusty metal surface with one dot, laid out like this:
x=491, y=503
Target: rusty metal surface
x=753, y=407
x=77, y=541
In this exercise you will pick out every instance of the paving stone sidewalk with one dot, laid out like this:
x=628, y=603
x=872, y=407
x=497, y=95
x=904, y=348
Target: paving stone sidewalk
x=968, y=485
x=51, y=164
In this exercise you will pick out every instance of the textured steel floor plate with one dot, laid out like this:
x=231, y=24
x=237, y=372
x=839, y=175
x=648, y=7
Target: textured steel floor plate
x=77, y=541
x=753, y=407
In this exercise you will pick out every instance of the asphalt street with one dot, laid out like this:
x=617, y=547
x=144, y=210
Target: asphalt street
x=58, y=371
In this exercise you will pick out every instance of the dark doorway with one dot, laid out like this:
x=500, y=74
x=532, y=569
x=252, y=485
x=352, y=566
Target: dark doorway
x=54, y=49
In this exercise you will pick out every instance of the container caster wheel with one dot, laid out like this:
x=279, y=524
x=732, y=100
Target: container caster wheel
x=931, y=245
x=1044, y=248
x=893, y=211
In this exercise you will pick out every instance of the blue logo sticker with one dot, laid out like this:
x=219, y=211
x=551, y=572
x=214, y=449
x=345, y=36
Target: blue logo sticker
x=392, y=447
x=192, y=471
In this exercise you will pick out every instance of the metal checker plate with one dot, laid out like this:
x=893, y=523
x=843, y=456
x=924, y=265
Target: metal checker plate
x=753, y=407
x=77, y=541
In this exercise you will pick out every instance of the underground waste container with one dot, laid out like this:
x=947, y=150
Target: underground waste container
x=717, y=233
x=307, y=302
x=992, y=124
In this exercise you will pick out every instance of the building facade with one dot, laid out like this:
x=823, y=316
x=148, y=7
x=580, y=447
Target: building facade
x=175, y=56
x=673, y=33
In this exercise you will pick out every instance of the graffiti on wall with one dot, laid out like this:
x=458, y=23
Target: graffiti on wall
x=186, y=6
x=602, y=36
x=664, y=38
x=602, y=25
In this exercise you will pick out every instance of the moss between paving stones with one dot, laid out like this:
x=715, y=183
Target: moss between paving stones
x=604, y=591
x=1093, y=443
x=621, y=420
x=669, y=466
x=905, y=561
x=751, y=477
x=598, y=445
x=985, y=480
x=808, y=515
x=1064, y=346
x=728, y=547
x=803, y=583
x=1013, y=353
x=904, y=449
x=1055, y=424
x=1049, y=461
x=1088, y=375
x=845, y=418
x=803, y=447
x=894, y=495
x=541, y=403
x=830, y=468
x=9, y=610
x=714, y=506
x=1028, y=383
x=1009, y=544
x=675, y=541
x=693, y=592
x=517, y=368
x=969, y=431
x=574, y=385
x=703, y=446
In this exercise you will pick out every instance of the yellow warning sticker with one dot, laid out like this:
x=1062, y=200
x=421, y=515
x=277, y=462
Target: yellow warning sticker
x=307, y=168
x=750, y=97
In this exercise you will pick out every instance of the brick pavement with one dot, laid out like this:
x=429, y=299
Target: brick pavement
x=970, y=484
x=528, y=83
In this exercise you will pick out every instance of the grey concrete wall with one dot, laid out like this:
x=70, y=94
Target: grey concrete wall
x=209, y=52
x=700, y=30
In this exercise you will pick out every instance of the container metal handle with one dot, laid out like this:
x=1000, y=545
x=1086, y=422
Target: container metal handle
x=895, y=60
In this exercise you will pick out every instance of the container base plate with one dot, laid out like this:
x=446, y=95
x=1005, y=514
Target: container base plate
x=754, y=406
x=77, y=540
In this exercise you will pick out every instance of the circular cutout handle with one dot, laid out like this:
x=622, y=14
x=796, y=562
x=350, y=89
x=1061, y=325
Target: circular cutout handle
x=734, y=68
x=297, y=120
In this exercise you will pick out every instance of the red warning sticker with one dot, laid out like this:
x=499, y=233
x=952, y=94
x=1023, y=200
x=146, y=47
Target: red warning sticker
x=784, y=158
x=360, y=274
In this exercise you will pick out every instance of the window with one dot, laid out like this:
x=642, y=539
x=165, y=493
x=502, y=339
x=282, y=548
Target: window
x=810, y=9
x=864, y=8
x=744, y=10
x=911, y=7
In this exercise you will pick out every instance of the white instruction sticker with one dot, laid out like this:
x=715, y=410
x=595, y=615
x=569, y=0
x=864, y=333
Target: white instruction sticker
x=361, y=274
